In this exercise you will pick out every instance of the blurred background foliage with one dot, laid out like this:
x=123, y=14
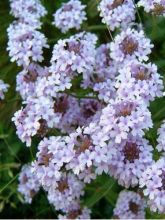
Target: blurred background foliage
x=102, y=194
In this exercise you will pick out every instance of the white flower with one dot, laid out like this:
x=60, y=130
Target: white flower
x=28, y=183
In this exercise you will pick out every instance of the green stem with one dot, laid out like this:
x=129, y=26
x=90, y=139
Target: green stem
x=3, y=188
x=31, y=153
x=137, y=11
x=96, y=27
x=81, y=96
x=7, y=144
x=12, y=100
x=9, y=165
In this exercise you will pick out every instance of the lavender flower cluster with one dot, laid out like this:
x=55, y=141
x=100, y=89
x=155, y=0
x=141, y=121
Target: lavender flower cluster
x=102, y=133
x=70, y=15
x=156, y=7
x=26, y=43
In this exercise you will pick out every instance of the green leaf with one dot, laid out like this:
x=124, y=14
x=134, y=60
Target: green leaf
x=2, y=204
x=3, y=136
x=100, y=192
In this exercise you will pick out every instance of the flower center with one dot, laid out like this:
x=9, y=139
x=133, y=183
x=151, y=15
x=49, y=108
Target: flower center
x=124, y=109
x=108, y=59
x=131, y=152
x=73, y=46
x=134, y=207
x=159, y=9
x=63, y=185
x=30, y=77
x=89, y=109
x=61, y=105
x=32, y=193
x=44, y=158
x=85, y=144
x=32, y=9
x=140, y=72
x=163, y=180
x=24, y=179
x=115, y=4
x=74, y=214
x=129, y=46
x=141, y=75
x=67, y=7
x=43, y=129
x=24, y=37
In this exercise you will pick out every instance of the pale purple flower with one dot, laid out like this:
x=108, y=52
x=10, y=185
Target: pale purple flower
x=35, y=119
x=156, y=7
x=123, y=117
x=130, y=205
x=161, y=138
x=28, y=11
x=77, y=213
x=87, y=175
x=25, y=44
x=90, y=109
x=153, y=183
x=130, y=44
x=74, y=55
x=27, y=80
x=68, y=110
x=52, y=84
x=132, y=158
x=87, y=154
x=101, y=80
x=53, y=153
x=28, y=183
x=117, y=13
x=70, y=15
x=65, y=194
x=140, y=81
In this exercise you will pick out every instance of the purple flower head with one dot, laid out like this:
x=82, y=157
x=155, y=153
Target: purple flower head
x=28, y=183
x=25, y=44
x=123, y=117
x=117, y=13
x=28, y=11
x=77, y=213
x=27, y=80
x=66, y=194
x=130, y=44
x=133, y=156
x=156, y=7
x=153, y=183
x=70, y=15
x=129, y=205
x=139, y=81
